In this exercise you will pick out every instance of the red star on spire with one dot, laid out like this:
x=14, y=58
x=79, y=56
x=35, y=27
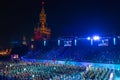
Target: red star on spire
x=43, y=2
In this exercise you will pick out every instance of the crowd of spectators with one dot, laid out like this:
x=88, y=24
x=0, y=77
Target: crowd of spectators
x=50, y=71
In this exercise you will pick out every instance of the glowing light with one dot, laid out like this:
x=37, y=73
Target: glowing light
x=114, y=41
x=88, y=38
x=44, y=43
x=75, y=42
x=32, y=39
x=33, y=75
x=118, y=69
x=10, y=65
x=32, y=46
x=24, y=69
x=5, y=52
x=111, y=76
x=91, y=42
x=96, y=38
x=58, y=42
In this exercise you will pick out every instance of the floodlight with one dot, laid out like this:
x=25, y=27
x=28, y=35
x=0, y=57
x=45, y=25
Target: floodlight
x=96, y=38
x=88, y=38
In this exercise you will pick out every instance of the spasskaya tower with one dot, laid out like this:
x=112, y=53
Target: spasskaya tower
x=42, y=32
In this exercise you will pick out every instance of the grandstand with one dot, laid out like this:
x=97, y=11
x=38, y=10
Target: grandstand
x=96, y=49
x=101, y=52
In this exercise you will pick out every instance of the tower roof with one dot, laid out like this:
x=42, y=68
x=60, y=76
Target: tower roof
x=43, y=10
x=43, y=3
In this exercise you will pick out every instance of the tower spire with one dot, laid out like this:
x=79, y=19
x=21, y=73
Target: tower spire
x=43, y=2
x=43, y=16
x=43, y=10
x=42, y=32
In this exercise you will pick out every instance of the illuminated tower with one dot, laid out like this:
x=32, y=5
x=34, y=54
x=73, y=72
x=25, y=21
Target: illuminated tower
x=42, y=32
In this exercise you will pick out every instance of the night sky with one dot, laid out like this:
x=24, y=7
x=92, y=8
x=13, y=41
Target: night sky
x=64, y=17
